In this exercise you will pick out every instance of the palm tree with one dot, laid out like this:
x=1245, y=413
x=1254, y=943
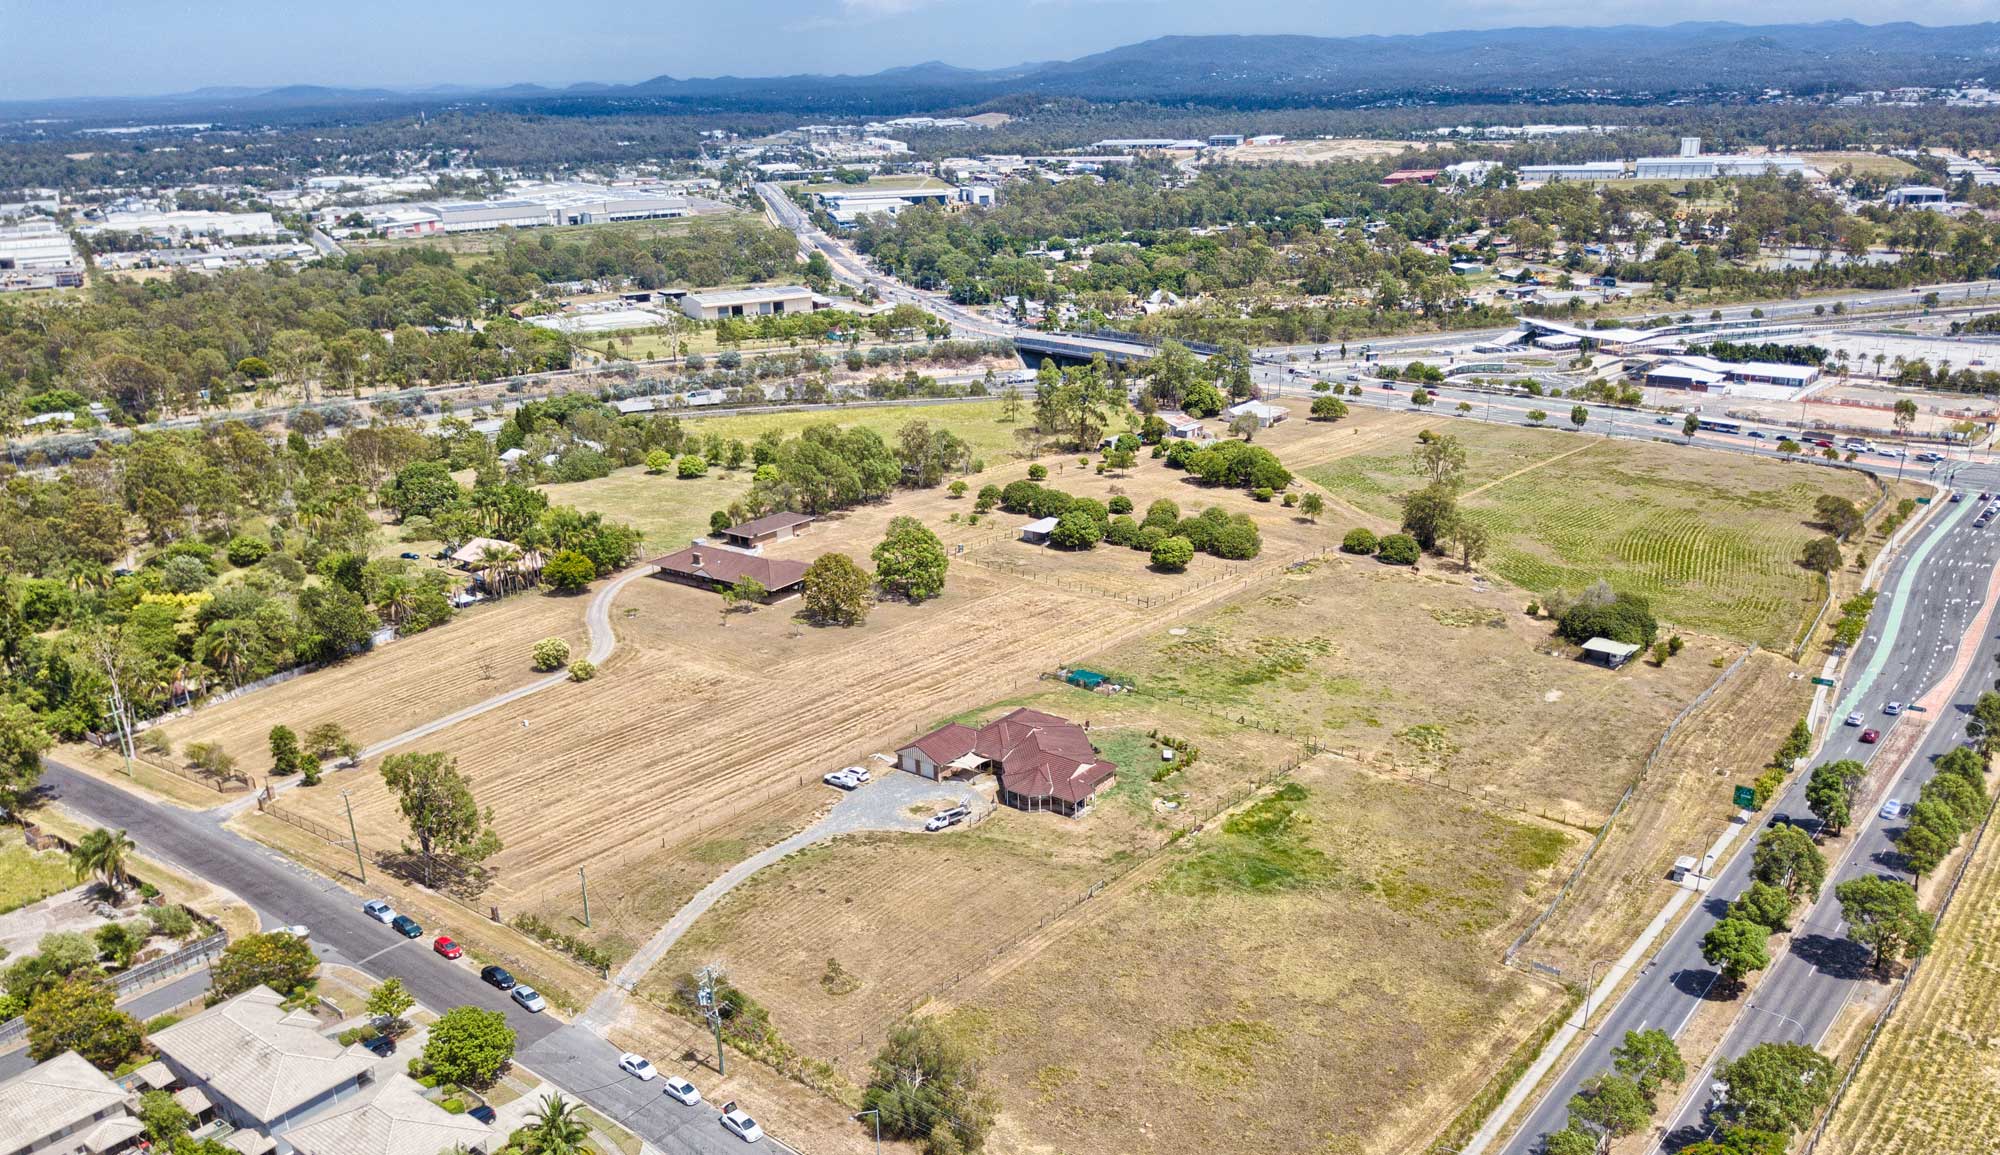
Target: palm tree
x=557, y=1129
x=102, y=853
x=500, y=560
x=84, y=573
x=395, y=599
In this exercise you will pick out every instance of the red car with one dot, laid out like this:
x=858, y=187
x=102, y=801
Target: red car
x=1870, y=735
x=450, y=949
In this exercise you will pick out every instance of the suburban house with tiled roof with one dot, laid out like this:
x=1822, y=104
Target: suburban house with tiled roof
x=715, y=567
x=391, y=1117
x=1042, y=762
x=264, y=1068
x=65, y=1106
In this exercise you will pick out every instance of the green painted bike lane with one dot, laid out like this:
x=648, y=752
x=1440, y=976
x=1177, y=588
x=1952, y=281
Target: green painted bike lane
x=1900, y=597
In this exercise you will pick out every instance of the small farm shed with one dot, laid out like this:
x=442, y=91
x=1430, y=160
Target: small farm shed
x=764, y=530
x=1607, y=653
x=1037, y=532
x=1085, y=679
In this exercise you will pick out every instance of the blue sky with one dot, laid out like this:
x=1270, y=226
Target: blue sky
x=122, y=47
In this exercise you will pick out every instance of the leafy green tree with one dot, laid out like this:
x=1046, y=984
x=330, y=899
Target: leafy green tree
x=122, y=941
x=910, y=562
x=1429, y=514
x=1883, y=915
x=1830, y=792
x=1985, y=723
x=1579, y=416
x=1359, y=540
x=1737, y=946
x=422, y=489
x=104, y=854
x=568, y=570
x=470, y=1046
x=1173, y=554
x=1570, y=1141
x=1777, y=1086
x=436, y=801
x=1822, y=555
x=163, y=1117
x=1398, y=549
x=1786, y=857
x=23, y=740
x=330, y=740
x=659, y=461
x=1537, y=416
x=1327, y=408
x=284, y=962
x=1689, y=425
x=550, y=654
x=1076, y=530
x=1439, y=459
x=837, y=591
x=1930, y=837
x=1766, y=905
x=284, y=750
x=389, y=1002
x=926, y=1085
x=1966, y=801
x=1612, y=1106
x=692, y=465
x=1650, y=1059
x=81, y=1014
x=1311, y=506
x=333, y=622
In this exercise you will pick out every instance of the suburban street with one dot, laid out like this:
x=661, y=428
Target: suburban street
x=283, y=893
x=1931, y=593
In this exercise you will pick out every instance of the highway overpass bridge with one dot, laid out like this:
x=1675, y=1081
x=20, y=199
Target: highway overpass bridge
x=1078, y=348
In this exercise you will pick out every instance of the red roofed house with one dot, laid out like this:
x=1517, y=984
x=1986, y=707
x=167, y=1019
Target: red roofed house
x=715, y=567
x=1043, y=762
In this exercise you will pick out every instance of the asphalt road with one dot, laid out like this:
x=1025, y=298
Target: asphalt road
x=283, y=893
x=1931, y=593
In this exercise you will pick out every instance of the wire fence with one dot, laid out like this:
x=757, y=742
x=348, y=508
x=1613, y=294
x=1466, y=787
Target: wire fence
x=227, y=786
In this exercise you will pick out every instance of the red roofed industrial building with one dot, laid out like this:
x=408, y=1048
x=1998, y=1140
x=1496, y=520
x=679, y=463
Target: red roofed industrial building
x=1043, y=762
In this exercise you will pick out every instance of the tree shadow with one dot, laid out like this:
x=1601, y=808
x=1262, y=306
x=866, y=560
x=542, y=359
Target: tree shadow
x=1841, y=958
x=1697, y=983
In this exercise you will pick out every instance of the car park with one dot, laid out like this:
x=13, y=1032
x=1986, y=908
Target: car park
x=447, y=948
x=1854, y=719
x=530, y=1000
x=681, y=1091
x=406, y=926
x=1871, y=736
x=638, y=1067
x=947, y=818
x=378, y=910
x=498, y=977
x=1892, y=809
x=741, y=1125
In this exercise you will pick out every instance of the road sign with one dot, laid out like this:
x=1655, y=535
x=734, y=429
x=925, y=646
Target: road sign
x=1822, y=681
x=1923, y=501
x=1746, y=797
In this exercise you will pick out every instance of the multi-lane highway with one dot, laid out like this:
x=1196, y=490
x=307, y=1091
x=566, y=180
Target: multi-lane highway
x=1932, y=593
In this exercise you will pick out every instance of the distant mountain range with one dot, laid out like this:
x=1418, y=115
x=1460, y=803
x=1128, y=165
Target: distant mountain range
x=1616, y=63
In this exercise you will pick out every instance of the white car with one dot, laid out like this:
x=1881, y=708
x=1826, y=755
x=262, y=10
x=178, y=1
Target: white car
x=1893, y=709
x=858, y=773
x=296, y=930
x=379, y=910
x=637, y=1067
x=1893, y=809
x=530, y=1000
x=948, y=818
x=742, y=1126
x=841, y=779
x=1854, y=719
x=682, y=1091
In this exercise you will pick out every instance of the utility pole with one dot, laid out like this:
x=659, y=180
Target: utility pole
x=704, y=997
x=877, y=1112
x=585, y=884
x=359, y=865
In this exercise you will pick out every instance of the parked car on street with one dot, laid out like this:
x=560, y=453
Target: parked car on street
x=406, y=926
x=530, y=1000
x=378, y=910
x=638, y=1067
x=742, y=1126
x=682, y=1091
x=497, y=976
x=447, y=948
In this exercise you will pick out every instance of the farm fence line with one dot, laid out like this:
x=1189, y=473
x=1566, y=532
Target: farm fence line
x=1895, y=1000
x=1604, y=831
x=1826, y=604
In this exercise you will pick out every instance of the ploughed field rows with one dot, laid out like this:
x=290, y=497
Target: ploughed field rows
x=483, y=652
x=659, y=749
x=840, y=939
x=1931, y=1085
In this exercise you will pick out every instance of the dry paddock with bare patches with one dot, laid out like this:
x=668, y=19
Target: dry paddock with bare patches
x=482, y=652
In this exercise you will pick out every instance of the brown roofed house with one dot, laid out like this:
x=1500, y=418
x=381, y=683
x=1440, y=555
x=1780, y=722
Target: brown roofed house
x=765, y=530
x=716, y=567
x=1043, y=762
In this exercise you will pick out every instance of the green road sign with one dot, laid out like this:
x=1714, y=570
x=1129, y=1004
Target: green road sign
x=1822, y=681
x=1746, y=797
x=1923, y=501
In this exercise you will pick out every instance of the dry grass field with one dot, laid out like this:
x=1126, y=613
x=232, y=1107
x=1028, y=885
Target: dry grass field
x=1932, y=1082
x=1322, y=151
x=480, y=653
x=698, y=721
x=1712, y=539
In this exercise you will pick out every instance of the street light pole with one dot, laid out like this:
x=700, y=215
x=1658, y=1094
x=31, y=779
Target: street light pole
x=1590, y=981
x=877, y=1112
x=360, y=866
x=584, y=883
